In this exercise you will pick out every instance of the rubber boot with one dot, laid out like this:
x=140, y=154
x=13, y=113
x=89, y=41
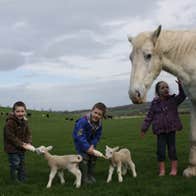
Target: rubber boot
x=91, y=167
x=84, y=169
x=174, y=168
x=161, y=168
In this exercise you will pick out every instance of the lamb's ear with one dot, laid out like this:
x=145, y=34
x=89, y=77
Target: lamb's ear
x=49, y=148
x=116, y=148
x=156, y=34
x=106, y=147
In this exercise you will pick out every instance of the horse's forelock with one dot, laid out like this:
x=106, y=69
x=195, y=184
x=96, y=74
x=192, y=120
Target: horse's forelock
x=139, y=41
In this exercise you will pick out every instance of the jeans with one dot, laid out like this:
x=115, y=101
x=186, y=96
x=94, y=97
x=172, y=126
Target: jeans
x=169, y=140
x=17, y=166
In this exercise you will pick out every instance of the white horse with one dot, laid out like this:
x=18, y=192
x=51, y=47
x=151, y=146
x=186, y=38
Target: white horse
x=171, y=51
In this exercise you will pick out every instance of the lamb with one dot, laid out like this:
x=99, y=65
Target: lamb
x=56, y=162
x=120, y=159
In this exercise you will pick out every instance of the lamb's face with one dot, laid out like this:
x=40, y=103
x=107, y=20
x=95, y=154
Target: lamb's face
x=40, y=150
x=109, y=151
x=43, y=149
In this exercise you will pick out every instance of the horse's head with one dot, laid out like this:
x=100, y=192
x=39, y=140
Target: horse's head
x=146, y=64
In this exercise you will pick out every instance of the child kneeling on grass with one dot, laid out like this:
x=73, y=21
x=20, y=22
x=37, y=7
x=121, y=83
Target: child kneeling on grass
x=86, y=135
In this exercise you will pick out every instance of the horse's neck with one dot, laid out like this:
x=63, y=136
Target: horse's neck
x=177, y=48
x=175, y=44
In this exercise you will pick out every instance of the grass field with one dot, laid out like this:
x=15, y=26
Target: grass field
x=124, y=133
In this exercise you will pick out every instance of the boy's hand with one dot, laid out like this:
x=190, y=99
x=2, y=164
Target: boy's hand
x=28, y=147
x=90, y=150
x=142, y=134
x=98, y=154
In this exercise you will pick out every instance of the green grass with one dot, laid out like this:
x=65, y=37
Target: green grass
x=124, y=133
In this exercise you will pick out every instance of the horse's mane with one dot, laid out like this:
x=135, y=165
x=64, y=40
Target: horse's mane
x=175, y=42
x=178, y=42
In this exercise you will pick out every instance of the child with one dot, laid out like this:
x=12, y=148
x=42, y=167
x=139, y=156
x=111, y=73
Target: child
x=86, y=135
x=163, y=114
x=17, y=138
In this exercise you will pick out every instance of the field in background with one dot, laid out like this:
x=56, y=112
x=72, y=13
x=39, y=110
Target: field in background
x=57, y=131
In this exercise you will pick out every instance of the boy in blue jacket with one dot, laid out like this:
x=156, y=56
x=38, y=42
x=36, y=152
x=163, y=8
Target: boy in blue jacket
x=86, y=134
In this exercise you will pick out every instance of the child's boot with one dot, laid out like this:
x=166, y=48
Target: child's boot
x=91, y=168
x=161, y=168
x=174, y=168
x=84, y=169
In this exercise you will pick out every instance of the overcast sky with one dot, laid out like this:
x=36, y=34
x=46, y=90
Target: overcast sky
x=70, y=54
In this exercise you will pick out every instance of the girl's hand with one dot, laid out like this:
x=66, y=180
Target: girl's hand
x=179, y=82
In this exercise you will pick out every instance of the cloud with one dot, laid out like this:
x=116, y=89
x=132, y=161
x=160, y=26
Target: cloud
x=176, y=14
x=10, y=60
x=77, y=48
x=65, y=97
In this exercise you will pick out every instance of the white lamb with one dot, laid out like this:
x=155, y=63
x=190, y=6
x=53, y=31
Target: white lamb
x=56, y=162
x=120, y=159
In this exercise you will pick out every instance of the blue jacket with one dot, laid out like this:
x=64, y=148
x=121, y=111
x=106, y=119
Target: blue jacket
x=163, y=114
x=86, y=134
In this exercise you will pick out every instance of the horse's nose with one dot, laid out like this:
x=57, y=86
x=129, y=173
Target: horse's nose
x=135, y=96
x=137, y=93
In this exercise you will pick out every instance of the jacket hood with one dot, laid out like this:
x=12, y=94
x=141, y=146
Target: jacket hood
x=11, y=116
x=98, y=124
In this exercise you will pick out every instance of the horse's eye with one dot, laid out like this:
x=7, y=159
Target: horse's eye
x=147, y=56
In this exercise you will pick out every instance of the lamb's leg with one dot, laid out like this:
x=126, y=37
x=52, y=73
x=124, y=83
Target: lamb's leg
x=51, y=176
x=190, y=170
x=111, y=170
x=119, y=172
x=61, y=176
x=77, y=173
x=132, y=166
x=124, y=169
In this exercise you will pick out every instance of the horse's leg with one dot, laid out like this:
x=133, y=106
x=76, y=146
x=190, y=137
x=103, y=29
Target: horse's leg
x=190, y=171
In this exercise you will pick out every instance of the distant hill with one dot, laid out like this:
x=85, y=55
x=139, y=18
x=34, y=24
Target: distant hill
x=134, y=109
x=124, y=110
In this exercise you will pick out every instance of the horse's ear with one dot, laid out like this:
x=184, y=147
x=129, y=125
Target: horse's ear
x=130, y=39
x=156, y=34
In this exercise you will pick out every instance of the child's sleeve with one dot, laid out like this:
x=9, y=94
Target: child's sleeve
x=80, y=136
x=148, y=119
x=97, y=136
x=11, y=137
x=181, y=96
